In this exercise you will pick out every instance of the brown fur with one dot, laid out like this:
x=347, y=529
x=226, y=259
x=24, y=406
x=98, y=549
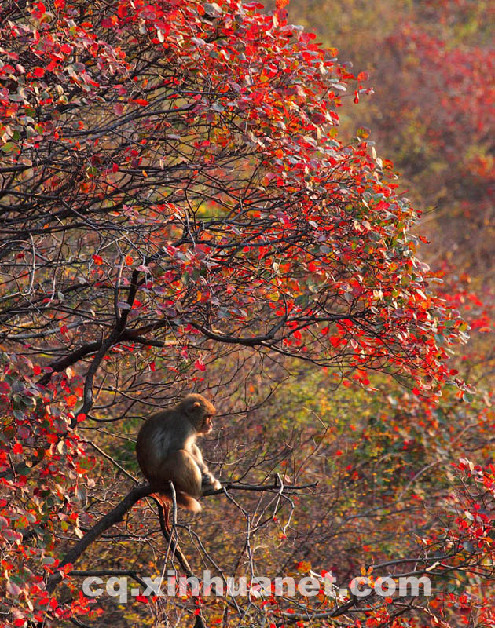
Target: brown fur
x=167, y=452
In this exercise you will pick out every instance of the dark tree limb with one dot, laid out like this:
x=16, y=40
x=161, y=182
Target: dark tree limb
x=69, y=360
x=259, y=488
x=173, y=544
x=113, y=517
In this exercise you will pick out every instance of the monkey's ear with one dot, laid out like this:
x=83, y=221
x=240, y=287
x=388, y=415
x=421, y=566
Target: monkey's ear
x=196, y=404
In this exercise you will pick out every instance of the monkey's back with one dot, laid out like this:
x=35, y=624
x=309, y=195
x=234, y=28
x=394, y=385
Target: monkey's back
x=154, y=441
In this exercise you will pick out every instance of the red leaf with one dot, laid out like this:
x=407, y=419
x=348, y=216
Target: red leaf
x=41, y=10
x=97, y=260
x=18, y=448
x=39, y=72
x=199, y=365
x=71, y=400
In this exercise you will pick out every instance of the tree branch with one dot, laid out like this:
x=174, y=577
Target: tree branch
x=113, y=517
x=144, y=490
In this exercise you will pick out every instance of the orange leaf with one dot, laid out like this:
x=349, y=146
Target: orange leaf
x=71, y=400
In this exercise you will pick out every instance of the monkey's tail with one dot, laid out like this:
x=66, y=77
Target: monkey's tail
x=182, y=499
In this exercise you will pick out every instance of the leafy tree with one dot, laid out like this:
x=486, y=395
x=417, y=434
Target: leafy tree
x=177, y=211
x=432, y=66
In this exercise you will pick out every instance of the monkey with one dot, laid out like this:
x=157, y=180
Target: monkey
x=166, y=451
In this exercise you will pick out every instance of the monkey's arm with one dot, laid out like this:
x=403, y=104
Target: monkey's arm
x=198, y=456
x=208, y=480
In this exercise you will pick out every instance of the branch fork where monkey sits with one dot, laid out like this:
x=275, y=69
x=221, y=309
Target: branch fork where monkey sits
x=145, y=490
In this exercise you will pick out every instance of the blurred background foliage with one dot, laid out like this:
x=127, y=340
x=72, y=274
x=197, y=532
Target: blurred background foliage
x=431, y=66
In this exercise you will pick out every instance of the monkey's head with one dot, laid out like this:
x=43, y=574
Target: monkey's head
x=199, y=411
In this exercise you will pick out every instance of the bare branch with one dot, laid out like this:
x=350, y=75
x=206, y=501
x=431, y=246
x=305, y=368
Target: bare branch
x=110, y=519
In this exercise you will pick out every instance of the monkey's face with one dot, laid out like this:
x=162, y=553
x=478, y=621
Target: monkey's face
x=201, y=412
x=206, y=425
x=205, y=411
